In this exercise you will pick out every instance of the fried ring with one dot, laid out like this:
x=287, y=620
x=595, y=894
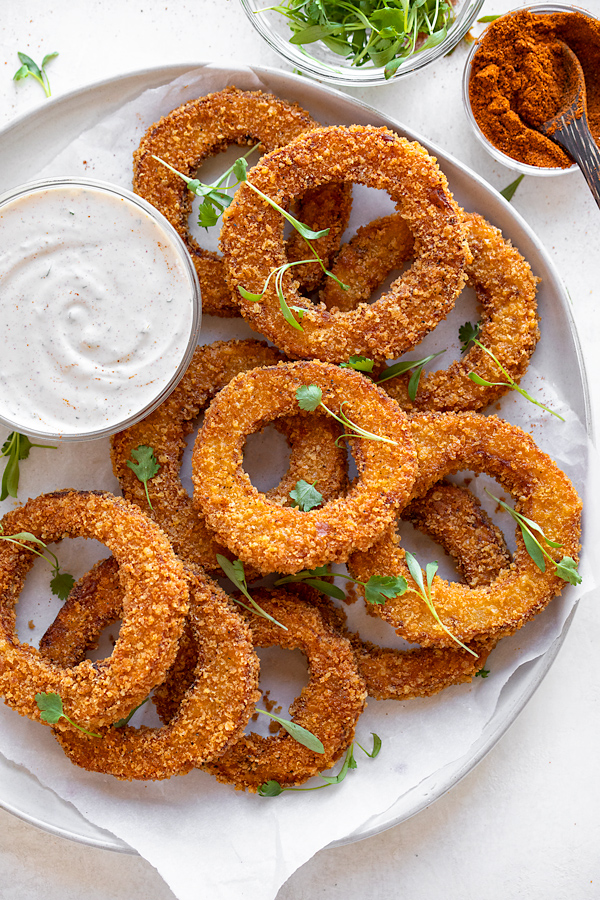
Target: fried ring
x=213, y=710
x=252, y=243
x=452, y=516
x=506, y=291
x=274, y=539
x=328, y=706
x=155, y=604
x=204, y=127
x=450, y=442
x=315, y=457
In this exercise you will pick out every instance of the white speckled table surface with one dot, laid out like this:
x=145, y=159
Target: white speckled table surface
x=525, y=822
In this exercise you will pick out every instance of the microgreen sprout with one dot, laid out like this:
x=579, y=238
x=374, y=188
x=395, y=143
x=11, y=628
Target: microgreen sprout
x=305, y=495
x=565, y=569
x=51, y=710
x=16, y=447
x=424, y=591
x=29, y=67
x=309, y=397
x=145, y=467
x=377, y=589
x=274, y=789
x=61, y=582
x=125, y=721
x=300, y=734
x=509, y=191
x=235, y=572
x=509, y=383
x=409, y=365
x=359, y=363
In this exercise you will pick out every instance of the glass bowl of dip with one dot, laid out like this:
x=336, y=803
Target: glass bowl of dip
x=318, y=61
x=101, y=309
x=498, y=154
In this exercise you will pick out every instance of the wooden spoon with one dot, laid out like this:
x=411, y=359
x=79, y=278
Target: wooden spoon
x=570, y=129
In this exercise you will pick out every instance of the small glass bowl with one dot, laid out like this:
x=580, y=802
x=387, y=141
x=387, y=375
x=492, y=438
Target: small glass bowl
x=319, y=62
x=499, y=156
x=61, y=344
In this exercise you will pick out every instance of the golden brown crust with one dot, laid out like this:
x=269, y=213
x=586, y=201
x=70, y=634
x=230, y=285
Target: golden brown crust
x=213, y=709
x=202, y=128
x=274, y=539
x=252, y=243
x=450, y=442
x=329, y=705
x=314, y=457
x=155, y=604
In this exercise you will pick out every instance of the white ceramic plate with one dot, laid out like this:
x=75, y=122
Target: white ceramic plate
x=53, y=127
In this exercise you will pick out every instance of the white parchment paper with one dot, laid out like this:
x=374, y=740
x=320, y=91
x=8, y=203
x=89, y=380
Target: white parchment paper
x=206, y=839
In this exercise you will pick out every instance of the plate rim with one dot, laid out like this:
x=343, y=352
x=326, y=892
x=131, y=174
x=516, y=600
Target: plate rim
x=497, y=724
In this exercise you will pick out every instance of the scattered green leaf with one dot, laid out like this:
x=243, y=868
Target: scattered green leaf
x=414, y=365
x=61, y=582
x=125, y=721
x=467, y=334
x=377, y=589
x=509, y=191
x=424, y=591
x=309, y=397
x=305, y=495
x=145, y=467
x=485, y=19
x=483, y=673
x=359, y=363
x=300, y=734
x=29, y=67
x=16, y=447
x=235, y=572
x=566, y=568
x=51, y=710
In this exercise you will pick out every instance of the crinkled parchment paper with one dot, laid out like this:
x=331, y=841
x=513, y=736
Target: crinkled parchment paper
x=205, y=839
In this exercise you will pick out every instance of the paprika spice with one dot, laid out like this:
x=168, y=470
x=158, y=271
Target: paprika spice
x=518, y=77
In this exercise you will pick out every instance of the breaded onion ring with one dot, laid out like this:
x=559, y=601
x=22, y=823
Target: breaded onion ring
x=212, y=712
x=328, y=706
x=275, y=539
x=204, y=127
x=506, y=291
x=314, y=457
x=155, y=603
x=252, y=243
x=452, y=516
x=450, y=442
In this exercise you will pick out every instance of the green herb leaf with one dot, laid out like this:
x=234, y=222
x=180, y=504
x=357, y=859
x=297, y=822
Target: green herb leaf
x=407, y=365
x=270, y=789
x=29, y=67
x=567, y=570
x=379, y=587
x=62, y=584
x=467, y=333
x=300, y=734
x=51, y=710
x=484, y=19
x=235, y=572
x=305, y=495
x=483, y=673
x=309, y=396
x=509, y=191
x=16, y=447
x=125, y=721
x=359, y=363
x=145, y=467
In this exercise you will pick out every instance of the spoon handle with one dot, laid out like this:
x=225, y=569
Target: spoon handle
x=577, y=140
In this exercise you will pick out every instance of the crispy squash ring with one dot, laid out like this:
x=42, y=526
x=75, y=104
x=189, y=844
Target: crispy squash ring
x=276, y=539
x=450, y=442
x=252, y=243
x=155, y=603
x=314, y=455
x=204, y=127
x=212, y=712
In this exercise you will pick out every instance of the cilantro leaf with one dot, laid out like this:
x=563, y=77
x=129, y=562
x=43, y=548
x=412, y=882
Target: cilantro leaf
x=145, y=467
x=468, y=333
x=309, y=396
x=270, y=789
x=62, y=584
x=51, y=710
x=359, y=363
x=305, y=495
x=380, y=587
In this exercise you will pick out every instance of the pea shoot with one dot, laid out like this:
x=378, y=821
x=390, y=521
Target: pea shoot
x=298, y=732
x=310, y=397
x=409, y=365
x=424, y=591
x=15, y=448
x=378, y=588
x=235, y=572
x=51, y=710
x=565, y=569
x=274, y=789
x=61, y=582
x=29, y=67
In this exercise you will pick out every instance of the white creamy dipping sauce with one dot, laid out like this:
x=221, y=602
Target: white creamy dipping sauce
x=97, y=310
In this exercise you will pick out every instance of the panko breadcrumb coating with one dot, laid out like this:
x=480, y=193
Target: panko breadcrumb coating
x=252, y=243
